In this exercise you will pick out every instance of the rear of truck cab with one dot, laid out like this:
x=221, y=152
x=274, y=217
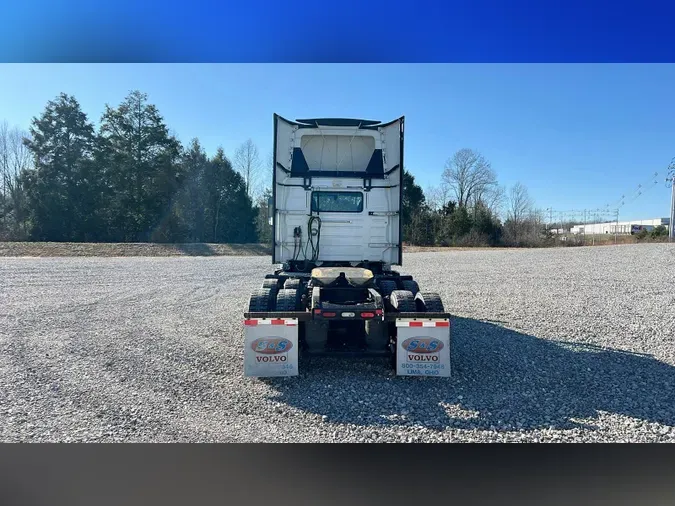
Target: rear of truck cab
x=336, y=220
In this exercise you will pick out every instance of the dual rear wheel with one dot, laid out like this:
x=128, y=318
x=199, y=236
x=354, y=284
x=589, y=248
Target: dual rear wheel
x=272, y=296
x=408, y=300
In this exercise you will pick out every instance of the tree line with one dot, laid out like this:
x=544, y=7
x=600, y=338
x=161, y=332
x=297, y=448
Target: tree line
x=130, y=179
x=470, y=208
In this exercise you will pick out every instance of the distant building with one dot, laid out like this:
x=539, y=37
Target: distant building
x=622, y=227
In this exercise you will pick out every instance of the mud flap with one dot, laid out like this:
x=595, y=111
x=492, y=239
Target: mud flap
x=270, y=347
x=423, y=347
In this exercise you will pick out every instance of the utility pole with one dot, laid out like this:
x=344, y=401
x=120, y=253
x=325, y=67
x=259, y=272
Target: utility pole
x=550, y=210
x=671, y=179
x=585, y=225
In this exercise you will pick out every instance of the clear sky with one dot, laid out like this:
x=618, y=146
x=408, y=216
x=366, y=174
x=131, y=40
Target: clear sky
x=578, y=136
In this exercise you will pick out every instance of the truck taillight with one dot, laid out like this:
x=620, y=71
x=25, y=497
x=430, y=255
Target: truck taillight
x=367, y=315
x=328, y=315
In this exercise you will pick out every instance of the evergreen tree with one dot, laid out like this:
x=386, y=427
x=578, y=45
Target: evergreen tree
x=263, y=215
x=62, y=188
x=142, y=169
x=228, y=211
x=413, y=196
x=485, y=225
x=190, y=208
x=413, y=204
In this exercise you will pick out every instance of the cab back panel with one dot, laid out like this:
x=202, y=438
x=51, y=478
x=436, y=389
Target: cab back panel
x=325, y=158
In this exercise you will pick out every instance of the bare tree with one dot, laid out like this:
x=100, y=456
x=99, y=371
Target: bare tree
x=265, y=180
x=247, y=162
x=270, y=159
x=520, y=203
x=494, y=199
x=519, y=209
x=469, y=176
x=436, y=197
x=5, y=156
x=14, y=159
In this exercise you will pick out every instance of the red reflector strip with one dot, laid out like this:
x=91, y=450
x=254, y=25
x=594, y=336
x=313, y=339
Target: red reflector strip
x=367, y=315
x=423, y=324
x=264, y=321
x=329, y=315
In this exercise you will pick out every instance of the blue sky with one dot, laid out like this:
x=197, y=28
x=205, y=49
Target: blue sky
x=578, y=136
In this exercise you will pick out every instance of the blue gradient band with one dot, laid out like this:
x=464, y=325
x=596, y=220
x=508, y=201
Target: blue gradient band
x=345, y=31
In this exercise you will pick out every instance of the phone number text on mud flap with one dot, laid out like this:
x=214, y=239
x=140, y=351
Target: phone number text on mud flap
x=417, y=365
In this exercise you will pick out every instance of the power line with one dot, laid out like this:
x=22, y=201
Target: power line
x=610, y=209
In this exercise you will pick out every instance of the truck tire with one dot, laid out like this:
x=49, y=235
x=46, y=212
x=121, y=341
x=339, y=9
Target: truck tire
x=403, y=301
x=271, y=283
x=287, y=300
x=429, y=302
x=292, y=283
x=386, y=287
x=260, y=301
x=273, y=286
x=411, y=285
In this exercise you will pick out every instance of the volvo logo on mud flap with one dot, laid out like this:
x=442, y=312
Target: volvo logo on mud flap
x=273, y=358
x=422, y=345
x=423, y=358
x=271, y=346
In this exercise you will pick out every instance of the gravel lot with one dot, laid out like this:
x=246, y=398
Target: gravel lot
x=573, y=344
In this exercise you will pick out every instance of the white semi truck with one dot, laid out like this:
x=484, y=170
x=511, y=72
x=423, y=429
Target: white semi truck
x=336, y=216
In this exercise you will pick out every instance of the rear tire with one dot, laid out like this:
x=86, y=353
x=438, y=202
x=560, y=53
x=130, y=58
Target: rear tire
x=429, y=302
x=292, y=283
x=403, y=301
x=260, y=301
x=411, y=285
x=271, y=283
x=386, y=287
x=287, y=300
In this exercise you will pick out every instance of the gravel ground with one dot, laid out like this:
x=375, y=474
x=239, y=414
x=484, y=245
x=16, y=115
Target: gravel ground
x=573, y=344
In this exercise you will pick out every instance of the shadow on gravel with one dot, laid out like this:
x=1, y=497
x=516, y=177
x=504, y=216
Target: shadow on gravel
x=502, y=380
